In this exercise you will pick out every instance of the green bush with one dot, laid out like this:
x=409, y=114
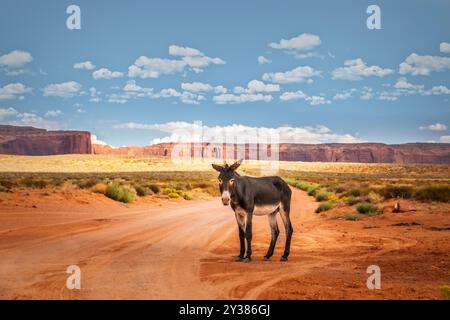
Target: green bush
x=351, y=217
x=143, y=191
x=358, y=192
x=3, y=189
x=312, y=190
x=86, y=184
x=173, y=195
x=155, y=188
x=433, y=193
x=397, y=192
x=366, y=208
x=351, y=200
x=31, y=183
x=322, y=196
x=324, y=206
x=187, y=197
x=120, y=193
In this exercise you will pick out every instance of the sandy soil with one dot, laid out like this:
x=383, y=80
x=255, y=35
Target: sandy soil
x=159, y=249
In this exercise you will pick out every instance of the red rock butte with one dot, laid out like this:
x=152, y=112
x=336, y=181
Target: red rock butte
x=17, y=140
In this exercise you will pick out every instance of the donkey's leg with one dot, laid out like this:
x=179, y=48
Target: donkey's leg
x=284, y=212
x=248, y=236
x=241, y=219
x=275, y=232
x=242, y=243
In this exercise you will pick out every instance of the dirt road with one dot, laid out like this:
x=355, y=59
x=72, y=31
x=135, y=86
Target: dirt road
x=185, y=251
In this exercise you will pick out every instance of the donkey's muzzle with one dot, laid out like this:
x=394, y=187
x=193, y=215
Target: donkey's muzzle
x=226, y=198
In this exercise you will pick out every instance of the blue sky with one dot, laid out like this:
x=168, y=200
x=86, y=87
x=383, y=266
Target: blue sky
x=138, y=71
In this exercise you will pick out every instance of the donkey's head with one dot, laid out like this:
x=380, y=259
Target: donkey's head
x=227, y=176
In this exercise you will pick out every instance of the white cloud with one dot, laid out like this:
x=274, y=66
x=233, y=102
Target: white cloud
x=193, y=58
x=242, y=98
x=104, y=73
x=194, y=132
x=403, y=84
x=356, y=69
x=344, y=95
x=95, y=140
x=438, y=90
x=131, y=86
x=13, y=91
x=300, y=95
x=145, y=67
x=444, y=47
x=263, y=60
x=7, y=112
x=434, y=127
x=88, y=65
x=259, y=86
x=298, y=74
x=63, y=90
x=196, y=86
x=366, y=93
x=31, y=119
x=198, y=63
x=305, y=41
x=184, y=97
x=53, y=113
x=423, y=65
x=184, y=51
x=15, y=59
x=95, y=95
x=444, y=139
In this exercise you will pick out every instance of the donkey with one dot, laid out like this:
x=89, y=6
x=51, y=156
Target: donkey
x=250, y=196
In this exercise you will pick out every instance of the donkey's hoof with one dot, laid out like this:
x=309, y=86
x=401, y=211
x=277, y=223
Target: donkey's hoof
x=238, y=258
x=247, y=259
x=283, y=258
x=266, y=258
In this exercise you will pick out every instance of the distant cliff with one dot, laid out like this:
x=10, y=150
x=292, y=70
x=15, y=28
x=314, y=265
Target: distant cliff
x=32, y=141
x=331, y=152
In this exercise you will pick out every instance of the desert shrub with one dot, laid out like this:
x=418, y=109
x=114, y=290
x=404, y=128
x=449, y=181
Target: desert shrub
x=351, y=217
x=86, y=184
x=433, y=193
x=201, y=185
x=322, y=196
x=154, y=187
x=312, y=190
x=445, y=292
x=7, y=184
x=173, y=195
x=397, y=192
x=373, y=197
x=324, y=206
x=143, y=191
x=31, y=183
x=187, y=197
x=3, y=188
x=120, y=193
x=351, y=200
x=358, y=192
x=340, y=189
x=99, y=188
x=366, y=208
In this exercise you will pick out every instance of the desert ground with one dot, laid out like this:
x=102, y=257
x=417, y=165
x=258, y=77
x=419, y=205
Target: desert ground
x=173, y=248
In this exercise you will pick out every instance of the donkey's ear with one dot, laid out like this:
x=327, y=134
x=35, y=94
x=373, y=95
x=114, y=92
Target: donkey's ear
x=217, y=167
x=236, y=165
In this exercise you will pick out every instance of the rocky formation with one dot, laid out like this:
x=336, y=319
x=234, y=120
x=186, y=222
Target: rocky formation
x=332, y=152
x=32, y=141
